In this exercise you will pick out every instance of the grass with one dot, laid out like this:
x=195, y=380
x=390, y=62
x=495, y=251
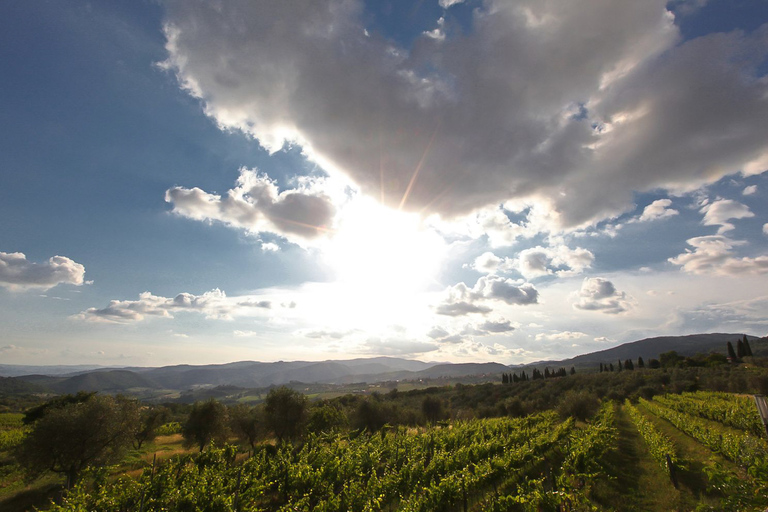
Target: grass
x=637, y=483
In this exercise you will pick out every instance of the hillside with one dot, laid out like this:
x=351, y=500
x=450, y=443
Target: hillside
x=651, y=348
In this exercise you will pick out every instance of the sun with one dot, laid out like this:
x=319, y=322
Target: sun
x=383, y=262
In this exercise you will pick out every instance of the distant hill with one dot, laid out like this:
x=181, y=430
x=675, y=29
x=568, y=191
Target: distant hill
x=651, y=348
x=15, y=386
x=254, y=374
x=17, y=370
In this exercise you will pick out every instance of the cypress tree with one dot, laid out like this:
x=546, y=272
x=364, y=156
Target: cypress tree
x=504, y=378
x=611, y=366
x=747, y=348
x=573, y=370
x=601, y=367
x=628, y=365
x=621, y=367
x=640, y=362
x=731, y=353
x=546, y=373
x=740, y=349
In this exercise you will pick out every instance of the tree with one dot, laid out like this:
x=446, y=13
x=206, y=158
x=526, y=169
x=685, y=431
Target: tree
x=573, y=370
x=740, y=349
x=640, y=362
x=247, y=423
x=504, y=378
x=207, y=422
x=325, y=417
x=286, y=411
x=371, y=415
x=621, y=366
x=628, y=365
x=432, y=408
x=71, y=435
x=747, y=348
x=654, y=363
x=731, y=352
x=149, y=421
x=669, y=359
x=601, y=367
x=611, y=366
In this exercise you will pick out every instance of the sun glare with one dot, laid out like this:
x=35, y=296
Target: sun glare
x=383, y=259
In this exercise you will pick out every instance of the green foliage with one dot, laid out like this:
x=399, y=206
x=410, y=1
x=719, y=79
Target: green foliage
x=325, y=417
x=286, y=412
x=72, y=436
x=578, y=404
x=169, y=429
x=59, y=402
x=247, y=423
x=207, y=422
x=744, y=449
x=659, y=445
x=735, y=411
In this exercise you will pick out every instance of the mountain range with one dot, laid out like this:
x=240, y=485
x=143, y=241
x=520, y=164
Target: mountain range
x=254, y=374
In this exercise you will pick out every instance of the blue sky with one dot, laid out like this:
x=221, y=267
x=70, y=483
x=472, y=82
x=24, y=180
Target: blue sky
x=464, y=181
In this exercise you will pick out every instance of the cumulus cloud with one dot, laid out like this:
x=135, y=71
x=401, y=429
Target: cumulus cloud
x=714, y=255
x=750, y=190
x=487, y=263
x=719, y=212
x=598, y=294
x=18, y=274
x=496, y=327
x=659, y=209
x=213, y=304
x=561, y=260
x=461, y=300
x=765, y=229
x=256, y=205
x=440, y=126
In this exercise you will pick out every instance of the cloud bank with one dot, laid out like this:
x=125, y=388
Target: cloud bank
x=572, y=105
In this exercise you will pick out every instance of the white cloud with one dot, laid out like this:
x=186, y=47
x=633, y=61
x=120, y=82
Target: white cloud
x=714, y=255
x=487, y=263
x=396, y=346
x=461, y=300
x=560, y=336
x=750, y=190
x=270, y=247
x=560, y=260
x=506, y=290
x=658, y=209
x=451, y=119
x=18, y=274
x=719, y=212
x=598, y=294
x=256, y=205
x=765, y=229
x=213, y=304
x=447, y=3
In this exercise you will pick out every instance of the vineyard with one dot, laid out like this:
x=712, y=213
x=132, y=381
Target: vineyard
x=703, y=450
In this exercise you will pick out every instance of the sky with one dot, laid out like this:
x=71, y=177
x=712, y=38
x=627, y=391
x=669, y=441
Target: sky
x=444, y=180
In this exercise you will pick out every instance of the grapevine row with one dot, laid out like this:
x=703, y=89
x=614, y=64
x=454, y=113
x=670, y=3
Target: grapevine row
x=732, y=410
x=659, y=445
x=744, y=449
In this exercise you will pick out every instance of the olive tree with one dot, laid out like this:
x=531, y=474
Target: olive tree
x=286, y=413
x=69, y=437
x=207, y=422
